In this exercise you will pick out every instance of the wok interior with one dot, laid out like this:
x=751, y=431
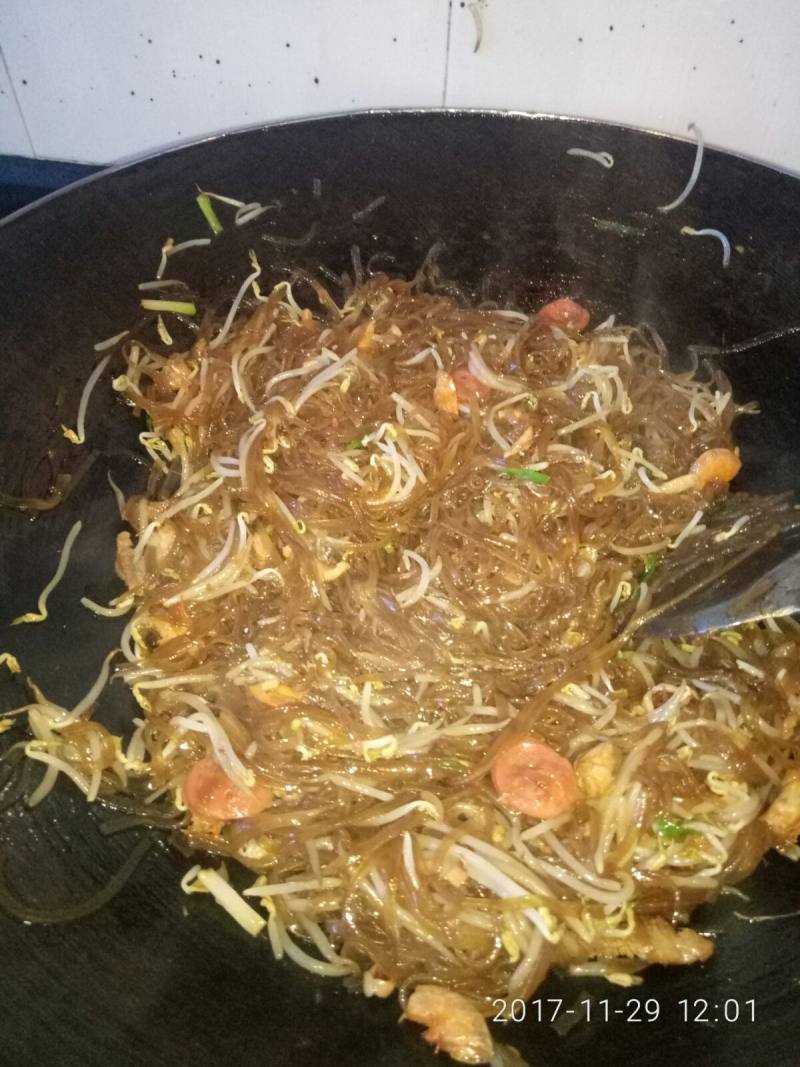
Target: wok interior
x=517, y=225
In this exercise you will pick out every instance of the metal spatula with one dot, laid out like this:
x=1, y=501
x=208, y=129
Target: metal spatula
x=718, y=579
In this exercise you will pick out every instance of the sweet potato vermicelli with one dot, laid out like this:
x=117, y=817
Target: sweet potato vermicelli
x=375, y=582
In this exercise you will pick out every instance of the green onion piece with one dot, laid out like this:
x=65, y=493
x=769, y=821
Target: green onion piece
x=209, y=214
x=650, y=567
x=525, y=474
x=179, y=307
x=672, y=828
x=452, y=763
x=358, y=441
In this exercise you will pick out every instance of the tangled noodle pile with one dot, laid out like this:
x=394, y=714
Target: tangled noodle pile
x=376, y=582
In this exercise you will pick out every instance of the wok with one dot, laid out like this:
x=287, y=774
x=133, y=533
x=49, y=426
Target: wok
x=159, y=978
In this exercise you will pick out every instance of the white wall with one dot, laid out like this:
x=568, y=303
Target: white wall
x=99, y=80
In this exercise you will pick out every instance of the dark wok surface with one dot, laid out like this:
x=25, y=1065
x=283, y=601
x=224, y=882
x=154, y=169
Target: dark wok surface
x=161, y=979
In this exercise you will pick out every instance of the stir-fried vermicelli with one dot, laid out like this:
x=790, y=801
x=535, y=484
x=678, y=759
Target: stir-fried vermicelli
x=376, y=585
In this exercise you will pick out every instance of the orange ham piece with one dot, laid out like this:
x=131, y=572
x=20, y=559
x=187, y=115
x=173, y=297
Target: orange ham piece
x=714, y=468
x=531, y=777
x=720, y=465
x=564, y=313
x=210, y=794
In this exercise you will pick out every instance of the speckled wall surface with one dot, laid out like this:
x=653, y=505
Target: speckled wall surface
x=99, y=80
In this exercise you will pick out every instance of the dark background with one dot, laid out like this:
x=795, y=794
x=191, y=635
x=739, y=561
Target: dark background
x=24, y=180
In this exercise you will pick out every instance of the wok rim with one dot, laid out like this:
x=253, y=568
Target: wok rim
x=129, y=163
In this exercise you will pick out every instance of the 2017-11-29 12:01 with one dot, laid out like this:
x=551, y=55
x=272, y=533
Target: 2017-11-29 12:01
x=634, y=1010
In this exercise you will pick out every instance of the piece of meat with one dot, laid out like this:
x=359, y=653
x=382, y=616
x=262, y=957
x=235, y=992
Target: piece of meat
x=126, y=565
x=653, y=940
x=161, y=543
x=712, y=469
x=783, y=814
x=210, y=794
x=453, y=1023
x=531, y=777
x=564, y=313
x=716, y=467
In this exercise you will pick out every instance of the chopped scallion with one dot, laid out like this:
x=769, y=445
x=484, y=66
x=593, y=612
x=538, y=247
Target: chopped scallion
x=526, y=474
x=209, y=214
x=672, y=828
x=178, y=307
x=650, y=567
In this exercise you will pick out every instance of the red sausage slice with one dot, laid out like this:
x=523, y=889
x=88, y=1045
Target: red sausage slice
x=210, y=793
x=468, y=386
x=565, y=313
x=533, y=778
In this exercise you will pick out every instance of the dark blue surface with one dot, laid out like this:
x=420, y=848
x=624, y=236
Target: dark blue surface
x=25, y=180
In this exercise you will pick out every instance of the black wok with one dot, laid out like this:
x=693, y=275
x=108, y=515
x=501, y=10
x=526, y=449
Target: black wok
x=161, y=979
